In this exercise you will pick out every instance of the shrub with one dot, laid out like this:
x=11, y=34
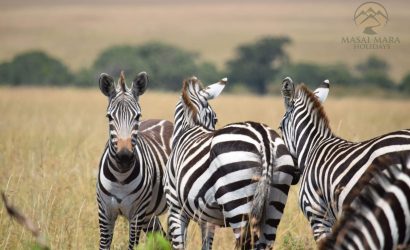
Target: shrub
x=257, y=63
x=34, y=67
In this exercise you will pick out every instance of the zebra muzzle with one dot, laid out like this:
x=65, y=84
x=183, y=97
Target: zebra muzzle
x=125, y=150
x=125, y=155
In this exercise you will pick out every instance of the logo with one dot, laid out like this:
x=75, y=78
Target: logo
x=371, y=16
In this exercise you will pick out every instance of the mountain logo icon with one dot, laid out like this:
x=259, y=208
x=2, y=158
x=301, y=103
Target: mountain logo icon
x=371, y=16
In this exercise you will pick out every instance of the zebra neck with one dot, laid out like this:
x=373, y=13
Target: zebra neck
x=310, y=138
x=114, y=166
x=180, y=124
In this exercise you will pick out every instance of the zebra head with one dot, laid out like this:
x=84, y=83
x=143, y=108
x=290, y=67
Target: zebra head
x=123, y=115
x=296, y=108
x=196, y=108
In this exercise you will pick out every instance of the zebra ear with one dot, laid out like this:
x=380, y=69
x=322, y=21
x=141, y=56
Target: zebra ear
x=322, y=92
x=139, y=84
x=288, y=91
x=107, y=85
x=214, y=90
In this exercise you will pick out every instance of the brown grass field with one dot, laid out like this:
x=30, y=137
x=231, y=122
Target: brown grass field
x=51, y=141
x=77, y=31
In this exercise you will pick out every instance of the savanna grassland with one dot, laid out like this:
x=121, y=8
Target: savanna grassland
x=51, y=141
x=77, y=31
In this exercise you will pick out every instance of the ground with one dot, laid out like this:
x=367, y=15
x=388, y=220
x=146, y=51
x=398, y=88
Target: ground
x=51, y=141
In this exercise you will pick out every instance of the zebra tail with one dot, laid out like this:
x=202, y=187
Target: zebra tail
x=260, y=199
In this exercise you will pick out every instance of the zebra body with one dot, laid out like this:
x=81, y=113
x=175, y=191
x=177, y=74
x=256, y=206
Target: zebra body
x=226, y=177
x=330, y=165
x=379, y=217
x=132, y=166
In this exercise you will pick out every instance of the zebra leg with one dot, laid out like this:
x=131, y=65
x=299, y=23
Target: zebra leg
x=154, y=226
x=106, y=229
x=321, y=227
x=243, y=234
x=177, y=226
x=136, y=225
x=207, y=233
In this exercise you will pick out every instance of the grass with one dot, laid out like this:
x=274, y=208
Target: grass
x=51, y=141
x=77, y=31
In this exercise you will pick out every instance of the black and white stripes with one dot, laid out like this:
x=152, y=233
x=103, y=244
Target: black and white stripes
x=379, y=218
x=331, y=166
x=227, y=177
x=132, y=165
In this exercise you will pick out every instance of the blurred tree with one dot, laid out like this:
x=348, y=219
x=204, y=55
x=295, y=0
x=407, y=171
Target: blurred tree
x=166, y=65
x=313, y=74
x=375, y=71
x=405, y=84
x=258, y=63
x=35, y=67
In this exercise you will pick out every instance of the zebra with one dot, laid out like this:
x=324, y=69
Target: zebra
x=379, y=217
x=132, y=166
x=237, y=176
x=330, y=165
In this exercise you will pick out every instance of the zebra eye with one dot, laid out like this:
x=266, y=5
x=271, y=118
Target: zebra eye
x=215, y=120
x=109, y=117
x=138, y=117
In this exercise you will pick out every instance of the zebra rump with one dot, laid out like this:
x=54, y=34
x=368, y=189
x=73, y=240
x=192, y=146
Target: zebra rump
x=237, y=176
x=379, y=217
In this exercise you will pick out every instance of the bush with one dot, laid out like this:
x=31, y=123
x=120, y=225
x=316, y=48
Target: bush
x=166, y=65
x=405, y=84
x=256, y=64
x=374, y=71
x=314, y=74
x=34, y=67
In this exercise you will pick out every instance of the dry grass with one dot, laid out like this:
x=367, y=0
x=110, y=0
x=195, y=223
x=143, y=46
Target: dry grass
x=76, y=32
x=51, y=141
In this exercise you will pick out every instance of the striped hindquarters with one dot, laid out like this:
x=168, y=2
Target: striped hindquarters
x=379, y=218
x=238, y=173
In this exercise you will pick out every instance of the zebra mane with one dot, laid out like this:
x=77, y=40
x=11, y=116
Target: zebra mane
x=362, y=191
x=310, y=96
x=189, y=85
x=121, y=81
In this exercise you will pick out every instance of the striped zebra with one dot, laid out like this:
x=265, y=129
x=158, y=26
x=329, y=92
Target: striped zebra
x=330, y=165
x=238, y=176
x=132, y=165
x=379, y=217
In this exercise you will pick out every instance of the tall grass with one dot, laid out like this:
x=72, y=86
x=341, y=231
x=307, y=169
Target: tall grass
x=51, y=142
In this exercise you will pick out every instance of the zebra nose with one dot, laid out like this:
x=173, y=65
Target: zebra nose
x=125, y=155
x=124, y=144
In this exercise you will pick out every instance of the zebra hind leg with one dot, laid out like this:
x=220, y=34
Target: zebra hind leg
x=154, y=226
x=245, y=238
x=207, y=234
x=177, y=227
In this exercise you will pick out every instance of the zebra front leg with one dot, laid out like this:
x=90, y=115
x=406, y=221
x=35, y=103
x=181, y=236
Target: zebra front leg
x=321, y=227
x=136, y=225
x=106, y=229
x=207, y=233
x=177, y=225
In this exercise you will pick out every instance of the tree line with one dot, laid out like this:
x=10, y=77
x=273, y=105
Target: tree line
x=256, y=67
